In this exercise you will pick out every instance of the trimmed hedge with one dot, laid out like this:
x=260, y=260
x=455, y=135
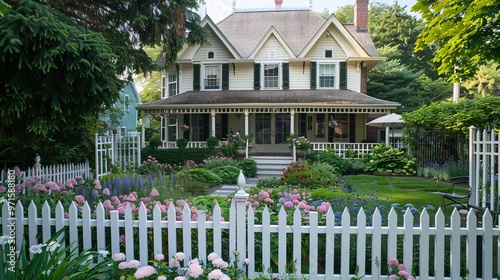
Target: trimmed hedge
x=176, y=156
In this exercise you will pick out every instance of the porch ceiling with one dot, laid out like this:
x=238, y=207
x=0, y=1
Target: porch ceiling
x=204, y=101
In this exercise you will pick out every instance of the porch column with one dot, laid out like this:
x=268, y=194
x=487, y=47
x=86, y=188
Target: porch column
x=143, y=130
x=166, y=121
x=246, y=121
x=212, y=112
x=292, y=121
x=387, y=142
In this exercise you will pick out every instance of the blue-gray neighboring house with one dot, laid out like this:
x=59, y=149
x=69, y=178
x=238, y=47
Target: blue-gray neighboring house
x=122, y=118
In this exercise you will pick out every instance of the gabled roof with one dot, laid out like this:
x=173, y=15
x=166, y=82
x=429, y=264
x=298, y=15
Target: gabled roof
x=246, y=29
x=346, y=34
x=270, y=32
x=208, y=21
x=299, y=29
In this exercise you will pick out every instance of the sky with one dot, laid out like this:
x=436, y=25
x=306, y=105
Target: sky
x=219, y=9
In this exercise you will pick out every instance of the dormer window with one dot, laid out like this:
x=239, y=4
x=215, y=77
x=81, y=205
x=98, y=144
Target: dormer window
x=328, y=53
x=327, y=75
x=271, y=76
x=210, y=55
x=212, y=77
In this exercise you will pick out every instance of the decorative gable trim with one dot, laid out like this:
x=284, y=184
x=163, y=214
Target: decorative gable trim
x=271, y=31
x=332, y=20
x=189, y=51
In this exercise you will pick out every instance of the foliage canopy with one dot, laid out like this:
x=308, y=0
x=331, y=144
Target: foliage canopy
x=464, y=34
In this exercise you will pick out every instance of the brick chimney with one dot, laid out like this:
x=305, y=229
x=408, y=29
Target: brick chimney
x=361, y=15
x=278, y=3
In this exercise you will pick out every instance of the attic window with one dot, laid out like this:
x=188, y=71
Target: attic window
x=211, y=55
x=328, y=53
x=272, y=54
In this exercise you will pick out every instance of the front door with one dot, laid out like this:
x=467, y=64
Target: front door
x=271, y=132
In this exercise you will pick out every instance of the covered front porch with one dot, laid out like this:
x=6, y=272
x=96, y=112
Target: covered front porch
x=327, y=119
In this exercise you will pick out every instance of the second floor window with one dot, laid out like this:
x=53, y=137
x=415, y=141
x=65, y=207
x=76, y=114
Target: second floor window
x=271, y=76
x=327, y=75
x=212, y=77
x=126, y=103
x=172, y=85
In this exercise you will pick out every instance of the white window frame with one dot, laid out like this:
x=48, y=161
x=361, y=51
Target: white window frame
x=172, y=83
x=126, y=103
x=279, y=77
x=335, y=75
x=218, y=78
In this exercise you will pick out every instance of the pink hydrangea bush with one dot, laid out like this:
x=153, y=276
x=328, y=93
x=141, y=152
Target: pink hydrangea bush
x=179, y=268
x=397, y=271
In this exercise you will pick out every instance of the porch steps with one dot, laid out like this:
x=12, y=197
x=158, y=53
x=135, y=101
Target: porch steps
x=271, y=166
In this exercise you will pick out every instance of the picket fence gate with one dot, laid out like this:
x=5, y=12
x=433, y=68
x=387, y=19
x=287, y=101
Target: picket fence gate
x=484, y=168
x=156, y=232
x=119, y=150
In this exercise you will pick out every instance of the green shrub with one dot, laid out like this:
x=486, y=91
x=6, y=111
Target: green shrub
x=228, y=174
x=309, y=176
x=178, y=156
x=356, y=166
x=386, y=158
x=249, y=167
x=202, y=175
x=268, y=183
x=155, y=141
x=214, y=162
x=182, y=143
x=340, y=165
x=189, y=185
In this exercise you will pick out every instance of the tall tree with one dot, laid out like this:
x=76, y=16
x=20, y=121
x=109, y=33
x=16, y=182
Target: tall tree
x=486, y=79
x=391, y=25
x=55, y=76
x=345, y=14
x=130, y=25
x=464, y=33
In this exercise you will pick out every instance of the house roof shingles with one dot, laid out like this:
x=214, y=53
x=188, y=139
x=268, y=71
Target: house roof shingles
x=285, y=98
x=244, y=30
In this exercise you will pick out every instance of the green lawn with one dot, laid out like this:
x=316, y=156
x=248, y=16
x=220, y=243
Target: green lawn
x=414, y=190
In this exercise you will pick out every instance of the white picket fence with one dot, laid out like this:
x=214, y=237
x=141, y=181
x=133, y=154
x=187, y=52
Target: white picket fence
x=54, y=172
x=439, y=243
x=484, y=168
x=120, y=150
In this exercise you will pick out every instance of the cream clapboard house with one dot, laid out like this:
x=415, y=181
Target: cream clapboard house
x=271, y=73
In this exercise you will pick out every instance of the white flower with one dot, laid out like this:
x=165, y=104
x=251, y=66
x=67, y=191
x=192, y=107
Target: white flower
x=103, y=253
x=36, y=249
x=52, y=246
x=4, y=239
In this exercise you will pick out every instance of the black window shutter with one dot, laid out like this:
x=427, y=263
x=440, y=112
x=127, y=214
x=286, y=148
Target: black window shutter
x=343, y=75
x=313, y=74
x=286, y=76
x=225, y=76
x=196, y=77
x=256, y=76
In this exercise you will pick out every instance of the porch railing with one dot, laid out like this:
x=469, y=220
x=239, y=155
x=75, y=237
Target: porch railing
x=354, y=149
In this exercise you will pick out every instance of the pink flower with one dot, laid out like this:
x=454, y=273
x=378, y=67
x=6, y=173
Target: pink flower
x=176, y=278
x=123, y=265
x=66, y=215
x=144, y=272
x=17, y=171
x=393, y=262
x=98, y=187
x=220, y=263
x=174, y=263
x=401, y=267
x=195, y=270
x=159, y=257
x=97, y=182
x=246, y=261
x=393, y=277
x=134, y=264
x=2, y=189
x=215, y=274
x=119, y=257
x=404, y=274
x=212, y=256
x=288, y=204
x=106, y=191
x=122, y=239
x=80, y=199
x=180, y=256
x=154, y=193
